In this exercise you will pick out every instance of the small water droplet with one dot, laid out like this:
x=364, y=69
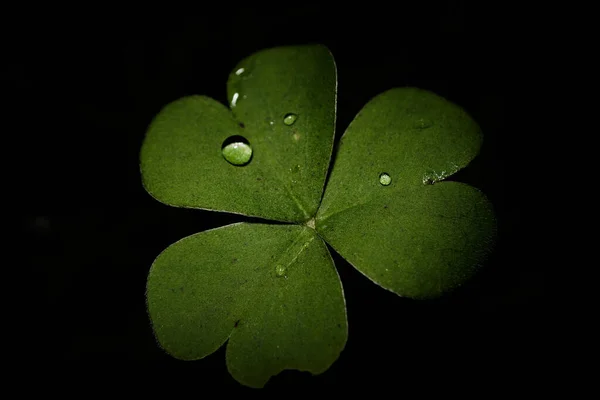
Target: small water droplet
x=290, y=118
x=239, y=71
x=234, y=99
x=236, y=150
x=271, y=122
x=432, y=176
x=423, y=123
x=295, y=171
x=280, y=270
x=385, y=179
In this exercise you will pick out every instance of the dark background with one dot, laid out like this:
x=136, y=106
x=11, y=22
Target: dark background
x=82, y=92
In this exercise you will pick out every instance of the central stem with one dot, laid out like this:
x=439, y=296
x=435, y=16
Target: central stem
x=310, y=223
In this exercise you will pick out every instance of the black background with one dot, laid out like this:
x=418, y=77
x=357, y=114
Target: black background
x=83, y=91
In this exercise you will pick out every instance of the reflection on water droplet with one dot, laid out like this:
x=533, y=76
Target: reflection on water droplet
x=280, y=270
x=234, y=99
x=385, y=179
x=271, y=122
x=289, y=119
x=239, y=71
x=236, y=150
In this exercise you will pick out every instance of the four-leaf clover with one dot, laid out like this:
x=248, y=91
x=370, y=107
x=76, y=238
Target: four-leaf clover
x=271, y=290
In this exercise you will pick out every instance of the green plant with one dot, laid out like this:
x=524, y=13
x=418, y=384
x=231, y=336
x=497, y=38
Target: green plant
x=271, y=290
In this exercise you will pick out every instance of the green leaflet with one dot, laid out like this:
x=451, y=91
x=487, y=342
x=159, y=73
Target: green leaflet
x=182, y=162
x=420, y=243
x=272, y=290
x=412, y=237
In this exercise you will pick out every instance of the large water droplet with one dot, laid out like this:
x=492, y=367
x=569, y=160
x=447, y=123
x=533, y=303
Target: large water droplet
x=280, y=270
x=385, y=179
x=236, y=150
x=289, y=119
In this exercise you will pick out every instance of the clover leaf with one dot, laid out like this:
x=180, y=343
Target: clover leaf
x=271, y=291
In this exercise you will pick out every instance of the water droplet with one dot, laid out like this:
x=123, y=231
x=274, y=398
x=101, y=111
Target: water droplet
x=280, y=270
x=423, y=123
x=239, y=71
x=236, y=150
x=385, y=179
x=289, y=119
x=295, y=171
x=234, y=99
x=271, y=122
x=432, y=176
x=429, y=177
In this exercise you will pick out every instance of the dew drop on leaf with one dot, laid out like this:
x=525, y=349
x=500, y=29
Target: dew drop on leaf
x=236, y=150
x=423, y=124
x=280, y=270
x=289, y=119
x=295, y=171
x=385, y=179
x=432, y=176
